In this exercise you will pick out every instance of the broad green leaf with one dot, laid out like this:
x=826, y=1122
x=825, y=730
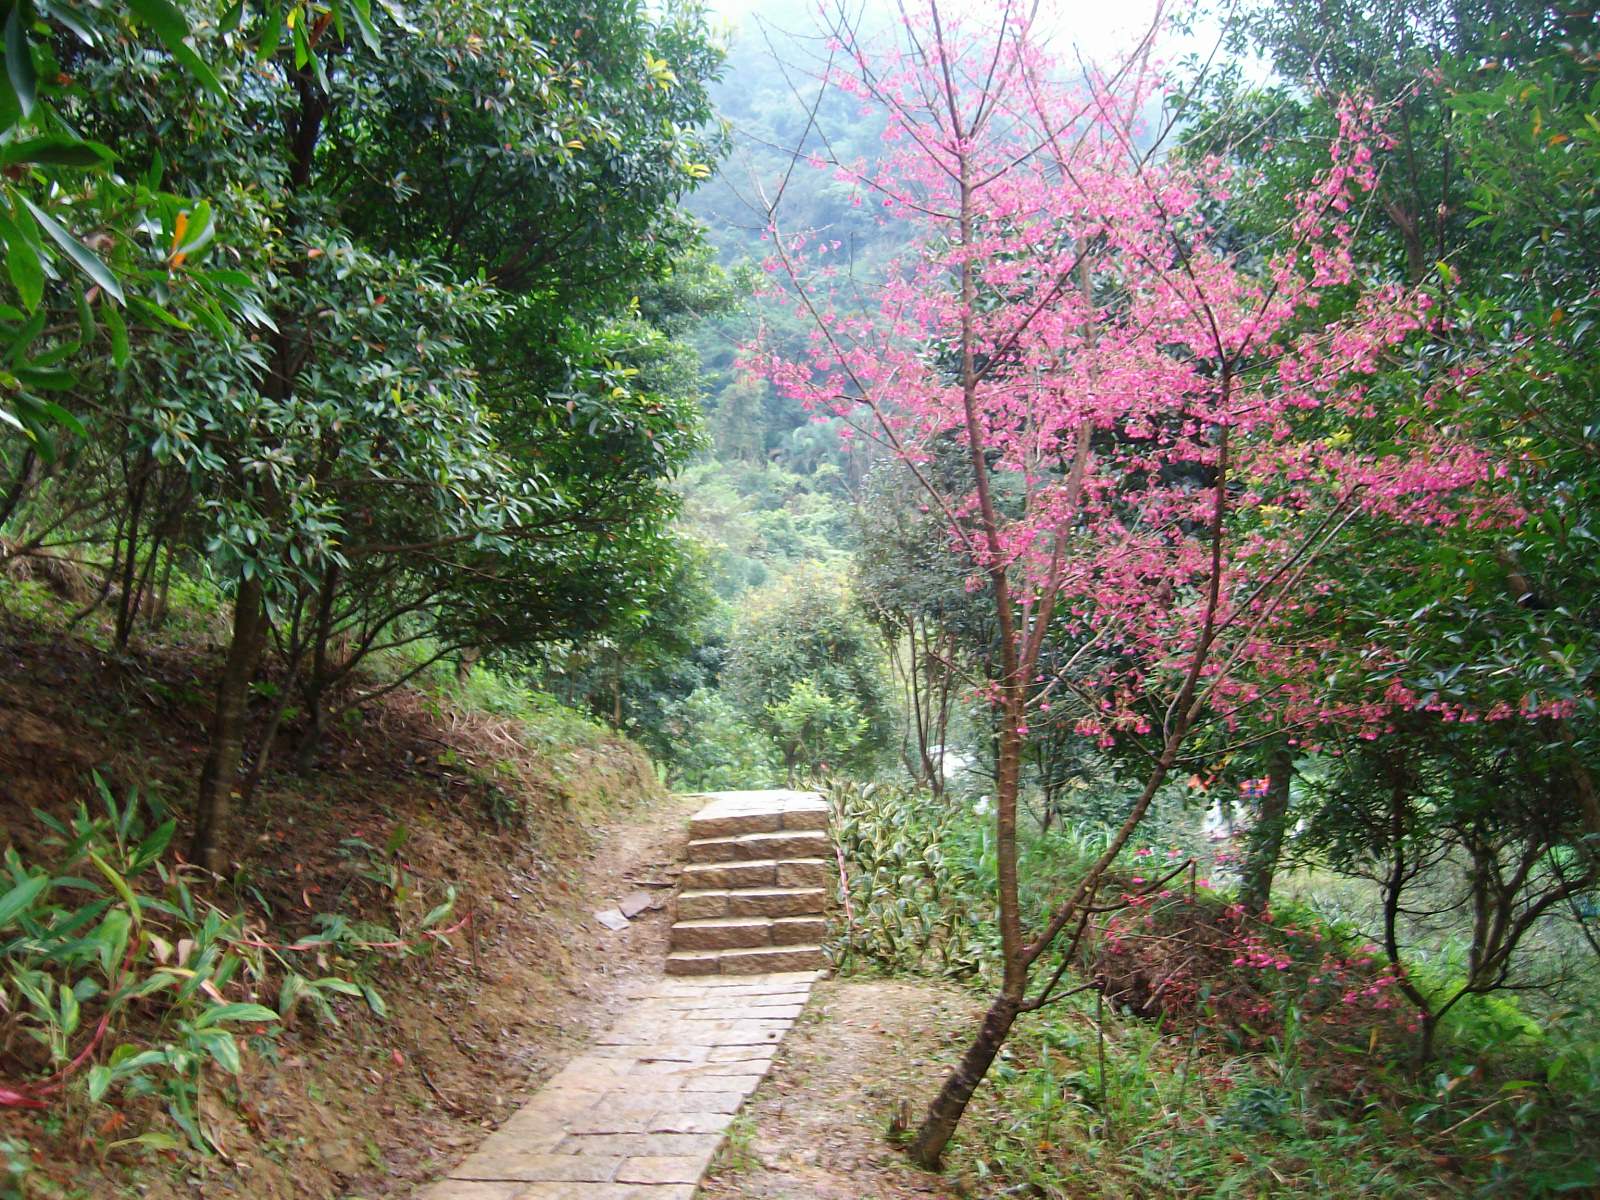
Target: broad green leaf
x=185, y=54
x=150, y=1141
x=23, y=265
x=154, y=844
x=118, y=883
x=156, y=313
x=332, y=983
x=223, y=1048
x=70, y=1012
x=46, y=379
x=50, y=413
x=85, y=318
x=167, y=22
x=113, y=938
x=119, y=335
x=271, y=34
x=57, y=150
x=99, y=1082
x=361, y=10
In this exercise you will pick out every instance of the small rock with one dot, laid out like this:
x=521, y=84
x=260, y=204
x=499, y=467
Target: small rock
x=635, y=903
x=612, y=919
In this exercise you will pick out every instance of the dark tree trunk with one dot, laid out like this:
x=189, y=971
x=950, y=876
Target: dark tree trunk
x=944, y=1114
x=128, y=601
x=26, y=475
x=316, y=684
x=616, y=689
x=1265, y=842
x=310, y=743
x=227, y=727
x=158, y=613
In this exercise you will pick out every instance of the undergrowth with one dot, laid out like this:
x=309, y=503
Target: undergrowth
x=1217, y=1053
x=126, y=992
x=142, y=1006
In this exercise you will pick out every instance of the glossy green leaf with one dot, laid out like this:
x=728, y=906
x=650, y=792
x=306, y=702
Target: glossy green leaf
x=56, y=150
x=118, y=330
x=163, y=18
x=85, y=259
x=23, y=265
x=19, y=58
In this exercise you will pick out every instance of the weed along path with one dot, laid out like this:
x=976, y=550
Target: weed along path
x=641, y=1113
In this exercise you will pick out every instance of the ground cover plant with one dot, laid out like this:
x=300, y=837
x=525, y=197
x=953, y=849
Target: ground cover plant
x=1214, y=1051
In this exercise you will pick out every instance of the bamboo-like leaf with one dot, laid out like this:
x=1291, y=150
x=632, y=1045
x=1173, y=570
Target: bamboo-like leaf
x=234, y=1012
x=20, y=897
x=119, y=884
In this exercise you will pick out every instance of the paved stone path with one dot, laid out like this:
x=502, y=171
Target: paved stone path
x=640, y=1114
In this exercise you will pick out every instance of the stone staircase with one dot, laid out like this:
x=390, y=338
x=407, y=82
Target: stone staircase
x=754, y=892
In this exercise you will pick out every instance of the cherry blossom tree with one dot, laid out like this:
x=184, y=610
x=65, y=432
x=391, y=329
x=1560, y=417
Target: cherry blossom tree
x=1126, y=396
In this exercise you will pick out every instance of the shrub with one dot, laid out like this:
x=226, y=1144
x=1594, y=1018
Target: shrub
x=116, y=977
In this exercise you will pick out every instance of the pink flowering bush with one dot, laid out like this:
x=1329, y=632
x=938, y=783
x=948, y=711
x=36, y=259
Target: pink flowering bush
x=1194, y=957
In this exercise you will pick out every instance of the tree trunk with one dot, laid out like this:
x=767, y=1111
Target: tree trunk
x=26, y=475
x=944, y=1114
x=317, y=682
x=158, y=616
x=227, y=727
x=616, y=689
x=127, y=602
x=1265, y=842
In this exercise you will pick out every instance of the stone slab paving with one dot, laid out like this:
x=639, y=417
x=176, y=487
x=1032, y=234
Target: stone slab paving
x=640, y=1114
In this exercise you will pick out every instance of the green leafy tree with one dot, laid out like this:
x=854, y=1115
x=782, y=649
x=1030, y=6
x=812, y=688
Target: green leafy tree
x=807, y=629
x=814, y=730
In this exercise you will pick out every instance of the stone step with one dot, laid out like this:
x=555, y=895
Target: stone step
x=798, y=931
x=754, y=961
x=731, y=933
x=722, y=933
x=751, y=902
x=754, y=847
x=764, y=874
x=730, y=814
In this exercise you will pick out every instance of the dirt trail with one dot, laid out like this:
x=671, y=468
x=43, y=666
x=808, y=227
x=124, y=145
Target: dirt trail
x=815, y=1130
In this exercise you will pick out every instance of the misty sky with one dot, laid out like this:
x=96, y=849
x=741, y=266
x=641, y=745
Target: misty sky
x=1098, y=28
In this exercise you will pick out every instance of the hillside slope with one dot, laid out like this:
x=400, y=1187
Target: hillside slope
x=422, y=794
